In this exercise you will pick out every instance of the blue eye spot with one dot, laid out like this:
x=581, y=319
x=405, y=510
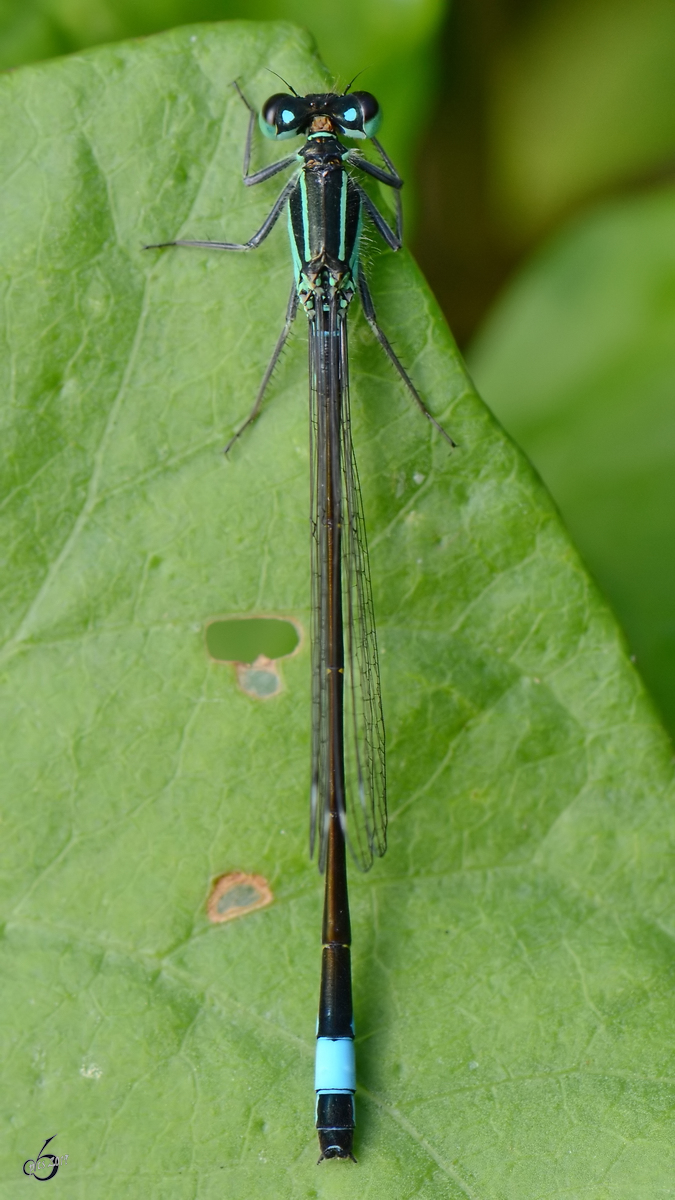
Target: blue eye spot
x=287, y=116
x=350, y=115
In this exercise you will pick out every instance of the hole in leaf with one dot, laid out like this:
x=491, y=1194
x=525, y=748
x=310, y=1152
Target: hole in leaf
x=247, y=639
x=236, y=894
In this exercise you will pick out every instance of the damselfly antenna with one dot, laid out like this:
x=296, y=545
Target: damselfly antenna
x=350, y=85
x=291, y=89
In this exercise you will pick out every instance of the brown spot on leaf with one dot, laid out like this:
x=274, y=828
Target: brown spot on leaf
x=236, y=894
x=260, y=679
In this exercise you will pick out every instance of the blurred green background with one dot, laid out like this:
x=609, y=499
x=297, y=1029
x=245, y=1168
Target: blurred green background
x=537, y=138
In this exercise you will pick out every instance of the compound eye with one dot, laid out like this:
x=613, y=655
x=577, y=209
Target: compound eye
x=282, y=116
x=357, y=114
x=371, y=113
x=346, y=112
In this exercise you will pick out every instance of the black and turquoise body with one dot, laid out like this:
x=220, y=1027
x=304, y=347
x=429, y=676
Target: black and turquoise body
x=324, y=224
x=327, y=206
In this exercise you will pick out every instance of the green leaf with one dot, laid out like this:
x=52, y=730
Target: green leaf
x=593, y=317
x=513, y=951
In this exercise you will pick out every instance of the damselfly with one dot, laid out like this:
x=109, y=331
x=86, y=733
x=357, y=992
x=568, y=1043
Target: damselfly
x=326, y=206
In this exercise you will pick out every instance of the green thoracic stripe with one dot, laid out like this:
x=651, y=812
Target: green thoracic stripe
x=343, y=215
x=354, y=261
x=305, y=217
x=294, y=249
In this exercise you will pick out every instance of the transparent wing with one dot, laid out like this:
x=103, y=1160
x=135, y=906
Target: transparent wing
x=319, y=616
x=364, y=810
x=364, y=747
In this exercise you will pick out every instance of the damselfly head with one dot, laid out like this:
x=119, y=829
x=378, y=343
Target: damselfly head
x=354, y=115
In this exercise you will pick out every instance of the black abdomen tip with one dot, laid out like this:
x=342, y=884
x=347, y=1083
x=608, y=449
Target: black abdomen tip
x=335, y=1124
x=336, y=1143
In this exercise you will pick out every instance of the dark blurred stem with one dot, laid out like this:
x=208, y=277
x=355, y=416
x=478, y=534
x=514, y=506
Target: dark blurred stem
x=459, y=243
